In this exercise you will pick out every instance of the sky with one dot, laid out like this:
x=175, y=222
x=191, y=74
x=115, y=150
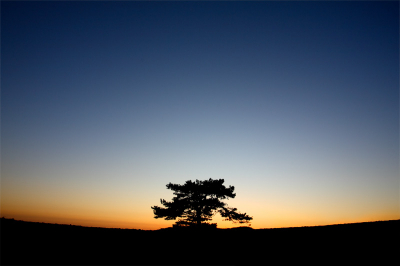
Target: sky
x=295, y=104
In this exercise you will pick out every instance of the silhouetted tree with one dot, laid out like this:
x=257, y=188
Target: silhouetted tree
x=196, y=202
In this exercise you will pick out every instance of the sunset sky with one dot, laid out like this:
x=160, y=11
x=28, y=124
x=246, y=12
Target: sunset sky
x=296, y=104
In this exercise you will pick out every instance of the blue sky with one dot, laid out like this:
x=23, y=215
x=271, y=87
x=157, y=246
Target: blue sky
x=296, y=104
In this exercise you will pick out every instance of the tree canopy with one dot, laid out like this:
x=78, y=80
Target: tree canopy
x=195, y=203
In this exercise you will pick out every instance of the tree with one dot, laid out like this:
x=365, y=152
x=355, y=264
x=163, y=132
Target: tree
x=196, y=202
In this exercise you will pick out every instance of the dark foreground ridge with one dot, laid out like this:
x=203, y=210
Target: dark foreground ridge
x=30, y=243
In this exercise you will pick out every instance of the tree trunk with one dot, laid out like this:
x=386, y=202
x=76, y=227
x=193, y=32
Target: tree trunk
x=198, y=217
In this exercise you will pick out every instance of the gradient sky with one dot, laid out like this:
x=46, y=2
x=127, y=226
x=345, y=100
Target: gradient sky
x=296, y=104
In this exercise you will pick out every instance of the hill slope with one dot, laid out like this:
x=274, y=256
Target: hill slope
x=40, y=243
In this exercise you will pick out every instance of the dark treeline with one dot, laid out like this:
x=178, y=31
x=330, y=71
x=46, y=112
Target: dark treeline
x=29, y=243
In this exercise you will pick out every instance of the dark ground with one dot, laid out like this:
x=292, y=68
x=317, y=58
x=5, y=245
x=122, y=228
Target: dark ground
x=29, y=243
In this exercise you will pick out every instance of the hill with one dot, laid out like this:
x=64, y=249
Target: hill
x=40, y=243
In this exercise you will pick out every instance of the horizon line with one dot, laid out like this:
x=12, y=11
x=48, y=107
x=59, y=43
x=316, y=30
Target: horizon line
x=266, y=228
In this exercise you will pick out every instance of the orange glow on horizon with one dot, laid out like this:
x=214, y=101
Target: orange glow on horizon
x=124, y=211
x=155, y=224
